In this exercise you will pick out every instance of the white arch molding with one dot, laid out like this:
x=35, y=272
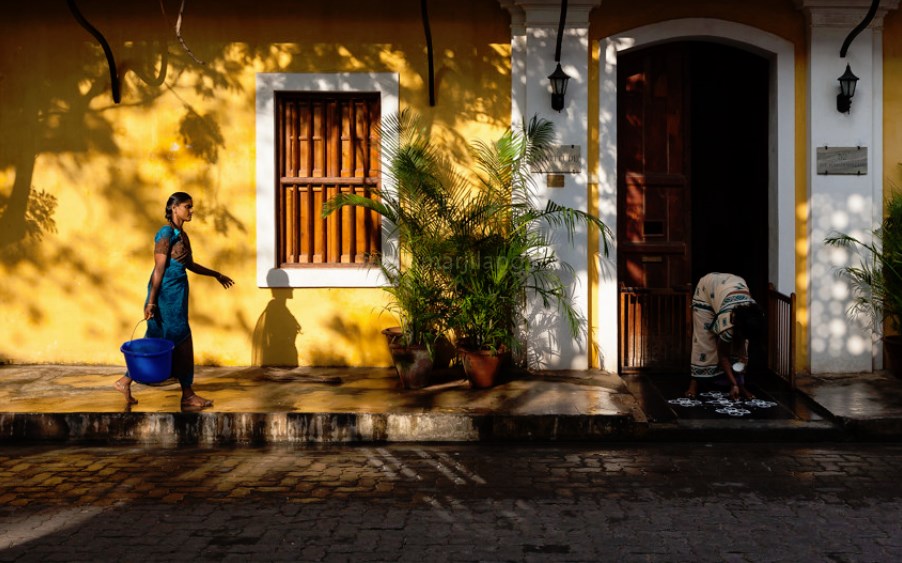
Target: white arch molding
x=781, y=148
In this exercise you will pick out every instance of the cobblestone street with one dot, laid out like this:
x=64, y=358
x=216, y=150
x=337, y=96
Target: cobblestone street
x=651, y=502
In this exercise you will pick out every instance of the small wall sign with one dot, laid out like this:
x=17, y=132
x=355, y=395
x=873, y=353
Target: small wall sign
x=842, y=160
x=555, y=181
x=563, y=159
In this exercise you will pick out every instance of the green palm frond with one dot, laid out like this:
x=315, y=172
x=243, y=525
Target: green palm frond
x=474, y=256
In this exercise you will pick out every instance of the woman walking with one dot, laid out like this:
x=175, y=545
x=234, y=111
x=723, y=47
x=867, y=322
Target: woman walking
x=166, y=307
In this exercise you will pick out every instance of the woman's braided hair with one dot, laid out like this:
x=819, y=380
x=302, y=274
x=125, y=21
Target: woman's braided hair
x=174, y=200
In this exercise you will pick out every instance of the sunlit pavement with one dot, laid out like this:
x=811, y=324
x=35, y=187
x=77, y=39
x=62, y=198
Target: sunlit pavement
x=466, y=502
x=266, y=406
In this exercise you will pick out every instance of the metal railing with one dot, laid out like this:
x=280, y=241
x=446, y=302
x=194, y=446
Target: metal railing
x=655, y=330
x=781, y=342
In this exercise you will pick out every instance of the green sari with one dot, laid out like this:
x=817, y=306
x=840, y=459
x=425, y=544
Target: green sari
x=170, y=320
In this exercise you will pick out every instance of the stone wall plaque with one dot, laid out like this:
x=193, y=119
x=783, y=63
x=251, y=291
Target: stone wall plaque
x=842, y=160
x=563, y=159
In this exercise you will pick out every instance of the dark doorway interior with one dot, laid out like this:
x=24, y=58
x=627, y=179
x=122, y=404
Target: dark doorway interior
x=693, y=188
x=729, y=140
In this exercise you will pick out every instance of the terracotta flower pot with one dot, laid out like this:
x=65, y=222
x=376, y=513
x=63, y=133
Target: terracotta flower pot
x=483, y=366
x=413, y=363
x=392, y=334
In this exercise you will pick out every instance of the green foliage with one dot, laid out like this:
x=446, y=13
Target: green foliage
x=503, y=239
x=417, y=211
x=876, y=280
x=472, y=257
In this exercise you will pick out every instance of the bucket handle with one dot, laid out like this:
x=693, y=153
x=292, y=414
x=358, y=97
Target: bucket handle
x=136, y=328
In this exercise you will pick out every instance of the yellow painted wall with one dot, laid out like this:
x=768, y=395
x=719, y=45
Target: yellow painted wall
x=779, y=17
x=95, y=175
x=892, y=104
x=74, y=262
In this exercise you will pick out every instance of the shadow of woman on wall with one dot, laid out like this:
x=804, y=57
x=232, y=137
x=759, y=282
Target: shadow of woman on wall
x=276, y=332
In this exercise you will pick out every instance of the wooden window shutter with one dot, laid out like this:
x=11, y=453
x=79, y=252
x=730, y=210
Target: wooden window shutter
x=327, y=144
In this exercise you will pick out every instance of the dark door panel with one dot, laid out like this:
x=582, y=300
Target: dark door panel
x=692, y=138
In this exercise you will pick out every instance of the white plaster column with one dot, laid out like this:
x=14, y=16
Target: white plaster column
x=850, y=204
x=534, y=39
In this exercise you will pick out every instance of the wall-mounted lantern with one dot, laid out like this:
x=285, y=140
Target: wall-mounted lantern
x=847, y=83
x=848, y=80
x=558, y=80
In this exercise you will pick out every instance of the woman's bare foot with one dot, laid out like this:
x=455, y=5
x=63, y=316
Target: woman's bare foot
x=195, y=402
x=124, y=386
x=692, y=391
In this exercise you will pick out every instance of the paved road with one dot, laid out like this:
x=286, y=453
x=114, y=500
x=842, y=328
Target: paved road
x=650, y=502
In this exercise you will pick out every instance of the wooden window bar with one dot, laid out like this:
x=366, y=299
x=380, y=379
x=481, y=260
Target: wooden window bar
x=328, y=144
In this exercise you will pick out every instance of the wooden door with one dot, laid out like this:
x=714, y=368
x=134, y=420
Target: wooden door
x=654, y=209
x=693, y=188
x=654, y=204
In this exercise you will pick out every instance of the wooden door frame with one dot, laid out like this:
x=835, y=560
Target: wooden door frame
x=781, y=183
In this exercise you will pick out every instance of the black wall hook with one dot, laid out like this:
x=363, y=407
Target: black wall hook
x=114, y=77
x=872, y=11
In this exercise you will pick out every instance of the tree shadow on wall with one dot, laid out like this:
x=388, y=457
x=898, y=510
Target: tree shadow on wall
x=150, y=65
x=276, y=332
x=351, y=344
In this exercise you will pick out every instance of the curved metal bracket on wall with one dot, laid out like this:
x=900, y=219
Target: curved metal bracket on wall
x=560, y=31
x=114, y=77
x=872, y=11
x=425, y=13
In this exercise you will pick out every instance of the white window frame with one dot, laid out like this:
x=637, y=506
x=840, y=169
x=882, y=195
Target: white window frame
x=387, y=85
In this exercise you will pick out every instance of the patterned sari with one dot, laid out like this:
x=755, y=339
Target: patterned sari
x=716, y=295
x=170, y=320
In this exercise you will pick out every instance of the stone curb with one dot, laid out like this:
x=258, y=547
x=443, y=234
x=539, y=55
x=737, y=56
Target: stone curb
x=223, y=429
x=254, y=429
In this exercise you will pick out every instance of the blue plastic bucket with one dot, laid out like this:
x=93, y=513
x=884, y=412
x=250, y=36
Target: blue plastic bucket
x=149, y=360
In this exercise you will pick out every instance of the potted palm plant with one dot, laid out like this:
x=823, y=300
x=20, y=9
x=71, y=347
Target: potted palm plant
x=876, y=280
x=415, y=211
x=503, y=255
x=416, y=301
x=471, y=256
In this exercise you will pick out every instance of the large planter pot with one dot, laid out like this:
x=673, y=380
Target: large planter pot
x=413, y=363
x=392, y=334
x=892, y=350
x=443, y=349
x=483, y=366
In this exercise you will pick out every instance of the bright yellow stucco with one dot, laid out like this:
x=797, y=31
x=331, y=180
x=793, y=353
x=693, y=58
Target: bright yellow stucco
x=892, y=102
x=74, y=263
x=83, y=180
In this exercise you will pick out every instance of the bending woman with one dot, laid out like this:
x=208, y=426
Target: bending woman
x=166, y=307
x=724, y=319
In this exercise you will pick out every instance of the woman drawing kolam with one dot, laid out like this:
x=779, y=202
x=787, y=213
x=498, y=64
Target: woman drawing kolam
x=166, y=307
x=724, y=319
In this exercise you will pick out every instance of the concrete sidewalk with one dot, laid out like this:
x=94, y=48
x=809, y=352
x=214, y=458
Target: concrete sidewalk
x=256, y=405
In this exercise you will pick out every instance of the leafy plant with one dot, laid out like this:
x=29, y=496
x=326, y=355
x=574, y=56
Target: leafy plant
x=504, y=251
x=472, y=255
x=876, y=280
x=417, y=210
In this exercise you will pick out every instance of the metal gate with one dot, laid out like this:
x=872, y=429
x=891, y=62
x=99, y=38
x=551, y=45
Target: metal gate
x=781, y=341
x=656, y=331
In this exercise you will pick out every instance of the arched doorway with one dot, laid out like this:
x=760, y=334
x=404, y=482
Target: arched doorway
x=693, y=174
